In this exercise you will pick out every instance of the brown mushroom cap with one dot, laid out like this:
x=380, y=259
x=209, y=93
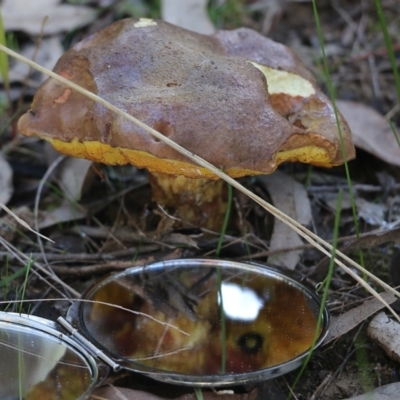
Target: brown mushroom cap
x=237, y=99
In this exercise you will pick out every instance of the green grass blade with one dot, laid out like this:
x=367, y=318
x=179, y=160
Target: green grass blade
x=392, y=58
x=199, y=393
x=332, y=95
x=226, y=221
x=27, y=270
x=219, y=279
x=6, y=280
x=389, y=46
x=4, y=67
x=327, y=283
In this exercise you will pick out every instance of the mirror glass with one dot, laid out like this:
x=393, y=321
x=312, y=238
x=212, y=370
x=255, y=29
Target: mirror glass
x=200, y=319
x=35, y=365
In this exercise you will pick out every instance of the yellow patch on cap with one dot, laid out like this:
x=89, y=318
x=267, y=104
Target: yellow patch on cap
x=143, y=22
x=307, y=154
x=285, y=82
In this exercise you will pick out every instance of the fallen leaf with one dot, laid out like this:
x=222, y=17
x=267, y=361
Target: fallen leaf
x=188, y=14
x=118, y=393
x=371, y=131
x=371, y=213
x=75, y=177
x=331, y=199
x=220, y=395
x=29, y=15
x=6, y=184
x=63, y=213
x=291, y=198
x=349, y=320
x=386, y=333
x=386, y=392
x=365, y=241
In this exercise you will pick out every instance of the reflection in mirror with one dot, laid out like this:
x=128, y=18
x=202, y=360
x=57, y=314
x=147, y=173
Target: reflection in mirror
x=240, y=303
x=35, y=366
x=172, y=319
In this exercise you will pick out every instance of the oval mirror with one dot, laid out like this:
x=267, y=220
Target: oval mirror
x=204, y=322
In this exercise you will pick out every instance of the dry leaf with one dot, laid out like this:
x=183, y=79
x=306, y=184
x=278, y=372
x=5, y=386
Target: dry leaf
x=371, y=213
x=386, y=333
x=386, y=392
x=64, y=213
x=221, y=395
x=189, y=14
x=28, y=15
x=291, y=198
x=371, y=131
x=366, y=241
x=118, y=393
x=6, y=184
x=331, y=199
x=72, y=179
x=349, y=320
x=75, y=176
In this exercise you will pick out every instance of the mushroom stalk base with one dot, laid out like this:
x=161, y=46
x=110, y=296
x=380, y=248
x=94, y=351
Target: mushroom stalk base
x=199, y=202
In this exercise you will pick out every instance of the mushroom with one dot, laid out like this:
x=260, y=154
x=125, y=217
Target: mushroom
x=235, y=98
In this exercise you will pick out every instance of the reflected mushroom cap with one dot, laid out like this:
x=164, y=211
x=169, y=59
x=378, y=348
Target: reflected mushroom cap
x=237, y=99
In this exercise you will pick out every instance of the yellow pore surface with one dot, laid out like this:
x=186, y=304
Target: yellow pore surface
x=104, y=153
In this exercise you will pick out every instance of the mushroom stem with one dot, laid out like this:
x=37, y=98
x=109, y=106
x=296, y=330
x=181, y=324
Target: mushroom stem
x=200, y=202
